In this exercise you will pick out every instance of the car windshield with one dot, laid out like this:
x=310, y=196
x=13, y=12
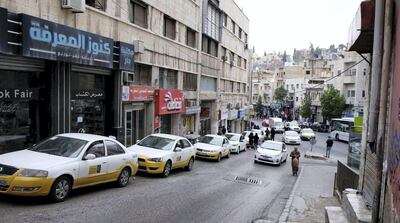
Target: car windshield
x=245, y=134
x=271, y=146
x=293, y=124
x=307, y=131
x=211, y=140
x=233, y=137
x=291, y=134
x=157, y=142
x=61, y=146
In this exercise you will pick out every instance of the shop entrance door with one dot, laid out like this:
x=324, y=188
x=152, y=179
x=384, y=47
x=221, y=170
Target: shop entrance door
x=134, y=126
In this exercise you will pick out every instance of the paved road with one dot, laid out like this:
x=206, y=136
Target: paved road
x=207, y=194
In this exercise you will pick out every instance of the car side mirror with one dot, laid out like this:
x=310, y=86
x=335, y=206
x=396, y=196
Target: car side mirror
x=178, y=149
x=137, y=141
x=90, y=156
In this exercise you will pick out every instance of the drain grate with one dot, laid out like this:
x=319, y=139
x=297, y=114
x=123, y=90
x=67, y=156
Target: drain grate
x=248, y=180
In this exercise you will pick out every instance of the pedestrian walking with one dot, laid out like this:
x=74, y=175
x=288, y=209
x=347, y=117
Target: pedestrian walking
x=256, y=138
x=251, y=140
x=295, y=155
x=267, y=133
x=273, y=134
x=223, y=130
x=329, y=144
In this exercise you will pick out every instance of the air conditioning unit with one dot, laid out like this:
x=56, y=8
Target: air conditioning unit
x=128, y=77
x=139, y=46
x=224, y=58
x=74, y=5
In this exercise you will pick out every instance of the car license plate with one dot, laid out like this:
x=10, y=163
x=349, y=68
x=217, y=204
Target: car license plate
x=3, y=183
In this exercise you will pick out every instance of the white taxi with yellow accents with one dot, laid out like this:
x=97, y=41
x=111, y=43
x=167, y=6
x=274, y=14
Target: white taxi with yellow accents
x=161, y=153
x=213, y=147
x=65, y=162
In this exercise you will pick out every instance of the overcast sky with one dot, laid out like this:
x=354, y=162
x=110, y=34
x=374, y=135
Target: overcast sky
x=278, y=25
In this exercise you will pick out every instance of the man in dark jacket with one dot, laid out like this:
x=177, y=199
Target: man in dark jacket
x=256, y=138
x=329, y=144
x=273, y=134
x=251, y=140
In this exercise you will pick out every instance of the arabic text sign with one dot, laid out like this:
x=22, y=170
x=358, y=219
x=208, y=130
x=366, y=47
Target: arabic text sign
x=138, y=93
x=126, y=56
x=87, y=94
x=169, y=101
x=47, y=40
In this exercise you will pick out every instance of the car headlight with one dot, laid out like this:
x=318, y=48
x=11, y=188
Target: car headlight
x=33, y=173
x=155, y=159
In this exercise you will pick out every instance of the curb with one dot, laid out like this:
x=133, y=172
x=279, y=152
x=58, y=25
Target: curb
x=285, y=213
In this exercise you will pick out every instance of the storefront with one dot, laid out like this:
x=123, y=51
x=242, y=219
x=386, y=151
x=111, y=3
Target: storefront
x=169, y=105
x=232, y=117
x=137, y=103
x=240, y=122
x=56, y=79
x=189, y=118
x=223, y=118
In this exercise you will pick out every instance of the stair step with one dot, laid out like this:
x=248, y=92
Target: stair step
x=356, y=209
x=335, y=214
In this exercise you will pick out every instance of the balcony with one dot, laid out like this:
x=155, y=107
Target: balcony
x=349, y=79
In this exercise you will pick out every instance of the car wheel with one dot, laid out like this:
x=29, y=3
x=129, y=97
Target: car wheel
x=123, y=178
x=219, y=157
x=337, y=137
x=167, y=169
x=60, y=189
x=228, y=155
x=189, y=167
x=238, y=150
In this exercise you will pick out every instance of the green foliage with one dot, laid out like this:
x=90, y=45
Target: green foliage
x=280, y=93
x=333, y=103
x=305, y=109
x=259, y=106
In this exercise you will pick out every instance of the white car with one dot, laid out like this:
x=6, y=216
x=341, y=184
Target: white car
x=65, y=162
x=213, y=147
x=294, y=126
x=161, y=153
x=271, y=152
x=307, y=134
x=291, y=137
x=236, y=141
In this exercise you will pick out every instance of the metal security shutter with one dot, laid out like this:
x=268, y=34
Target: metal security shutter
x=370, y=177
x=91, y=70
x=21, y=63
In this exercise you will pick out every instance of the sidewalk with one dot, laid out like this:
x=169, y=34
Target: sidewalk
x=312, y=192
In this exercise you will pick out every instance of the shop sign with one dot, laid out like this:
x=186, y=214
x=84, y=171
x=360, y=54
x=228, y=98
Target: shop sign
x=192, y=110
x=4, y=33
x=224, y=114
x=47, y=40
x=137, y=93
x=9, y=108
x=233, y=114
x=241, y=114
x=126, y=56
x=169, y=101
x=88, y=94
x=19, y=94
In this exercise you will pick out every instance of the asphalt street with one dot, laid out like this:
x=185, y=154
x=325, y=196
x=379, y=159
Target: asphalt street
x=209, y=193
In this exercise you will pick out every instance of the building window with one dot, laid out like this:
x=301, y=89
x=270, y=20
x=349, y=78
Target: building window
x=208, y=84
x=297, y=98
x=225, y=20
x=142, y=75
x=245, y=63
x=169, y=27
x=238, y=87
x=139, y=13
x=239, y=61
x=245, y=38
x=297, y=86
x=98, y=4
x=233, y=27
x=231, y=57
x=223, y=53
x=365, y=71
x=287, y=87
x=240, y=33
x=168, y=79
x=212, y=22
x=363, y=94
x=190, y=37
x=210, y=46
x=351, y=93
x=339, y=72
x=189, y=82
x=308, y=72
x=353, y=72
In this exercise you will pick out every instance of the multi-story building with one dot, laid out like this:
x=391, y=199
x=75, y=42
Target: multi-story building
x=263, y=86
x=127, y=68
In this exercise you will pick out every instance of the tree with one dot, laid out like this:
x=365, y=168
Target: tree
x=280, y=93
x=305, y=109
x=259, y=106
x=332, y=103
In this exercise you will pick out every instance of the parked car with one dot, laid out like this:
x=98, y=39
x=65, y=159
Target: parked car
x=272, y=152
x=293, y=126
x=161, y=153
x=236, y=142
x=213, y=147
x=291, y=137
x=307, y=134
x=64, y=162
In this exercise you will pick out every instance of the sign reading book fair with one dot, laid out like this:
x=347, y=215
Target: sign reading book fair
x=47, y=40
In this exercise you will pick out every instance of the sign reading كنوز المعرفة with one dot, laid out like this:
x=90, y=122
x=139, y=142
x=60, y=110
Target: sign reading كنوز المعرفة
x=47, y=40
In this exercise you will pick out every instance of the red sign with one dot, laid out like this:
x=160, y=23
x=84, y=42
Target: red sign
x=169, y=102
x=156, y=122
x=137, y=93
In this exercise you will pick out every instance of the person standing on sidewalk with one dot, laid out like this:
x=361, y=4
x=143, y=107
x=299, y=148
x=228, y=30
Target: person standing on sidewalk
x=251, y=140
x=329, y=144
x=256, y=138
x=273, y=134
